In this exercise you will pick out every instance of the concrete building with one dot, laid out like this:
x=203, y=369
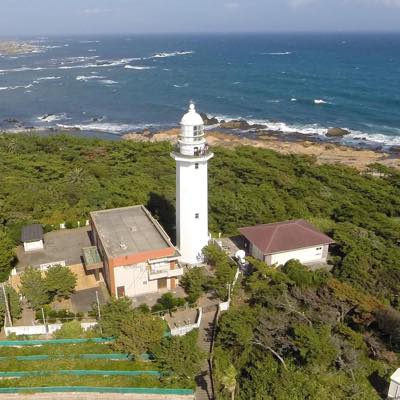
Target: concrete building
x=137, y=256
x=32, y=237
x=283, y=241
x=192, y=156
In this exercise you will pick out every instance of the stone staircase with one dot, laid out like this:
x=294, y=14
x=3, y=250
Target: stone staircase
x=204, y=389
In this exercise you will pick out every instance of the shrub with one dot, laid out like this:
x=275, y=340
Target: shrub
x=69, y=330
x=302, y=276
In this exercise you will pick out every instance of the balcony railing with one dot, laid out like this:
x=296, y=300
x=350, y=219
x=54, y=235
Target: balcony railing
x=197, y=152
x=160, y=273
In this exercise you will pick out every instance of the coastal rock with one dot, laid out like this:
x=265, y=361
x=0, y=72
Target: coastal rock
x=236, y=124
x=209, y=121
x=395, y=149
x=337, y=132
x=12, y=121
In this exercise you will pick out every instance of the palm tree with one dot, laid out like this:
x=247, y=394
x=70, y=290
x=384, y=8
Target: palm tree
x=229, y=380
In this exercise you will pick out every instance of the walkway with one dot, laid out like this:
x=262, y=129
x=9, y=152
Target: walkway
x=204, y=389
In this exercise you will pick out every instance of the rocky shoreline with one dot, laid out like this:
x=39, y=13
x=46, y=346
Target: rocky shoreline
x=12, y=47
x=324, y=152
x=326, y=149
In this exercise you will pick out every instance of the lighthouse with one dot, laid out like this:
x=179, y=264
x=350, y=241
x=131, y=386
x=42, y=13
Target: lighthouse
x=191, y=155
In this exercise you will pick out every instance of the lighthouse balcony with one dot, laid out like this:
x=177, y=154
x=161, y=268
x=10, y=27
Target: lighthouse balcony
x=191, y=150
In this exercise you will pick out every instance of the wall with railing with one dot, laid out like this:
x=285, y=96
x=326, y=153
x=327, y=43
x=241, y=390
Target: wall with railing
x=183, y=330
x=41, y=329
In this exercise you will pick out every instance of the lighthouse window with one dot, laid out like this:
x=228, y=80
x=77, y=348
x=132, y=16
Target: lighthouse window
x=196, y=215
x=196, y=165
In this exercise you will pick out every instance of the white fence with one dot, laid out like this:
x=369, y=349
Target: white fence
x=41, y=329
x=183, y=330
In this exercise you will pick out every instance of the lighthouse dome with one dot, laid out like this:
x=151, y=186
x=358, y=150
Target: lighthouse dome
x=192, y=118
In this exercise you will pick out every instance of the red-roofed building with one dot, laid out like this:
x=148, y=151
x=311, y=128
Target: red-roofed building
x=283, y=241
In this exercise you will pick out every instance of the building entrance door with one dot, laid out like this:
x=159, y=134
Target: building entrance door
x=120, y=291
x=162, y=283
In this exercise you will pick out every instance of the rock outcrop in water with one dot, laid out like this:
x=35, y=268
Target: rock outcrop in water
x=236, y=124
x=337, y=132
x=209, y=121
x=16, y=48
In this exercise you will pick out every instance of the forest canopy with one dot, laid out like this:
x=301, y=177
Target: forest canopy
x=291, y=333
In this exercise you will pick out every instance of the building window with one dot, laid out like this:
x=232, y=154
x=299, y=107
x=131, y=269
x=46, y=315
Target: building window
x=196, y=215
x=196, y=165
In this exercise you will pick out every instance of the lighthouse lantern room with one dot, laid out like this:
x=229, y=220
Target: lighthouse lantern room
x=191, y=156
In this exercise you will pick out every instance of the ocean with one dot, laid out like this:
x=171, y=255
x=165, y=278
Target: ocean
x=291, y=82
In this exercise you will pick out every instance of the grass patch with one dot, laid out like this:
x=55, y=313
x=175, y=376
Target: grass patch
x=77, y=364
x=56, y=349
x=99, y=381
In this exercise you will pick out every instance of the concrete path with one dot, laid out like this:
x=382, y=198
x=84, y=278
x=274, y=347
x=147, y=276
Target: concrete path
x=204, y=389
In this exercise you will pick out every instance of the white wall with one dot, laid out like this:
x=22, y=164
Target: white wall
x=183, y=330
x=33, y=246
x=191, y=198
x=311, y=254
x=135, y=278
x=41, y=329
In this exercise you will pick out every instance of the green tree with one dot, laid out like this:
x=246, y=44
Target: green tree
x=225, y=372
x=179, y=355
x=6, y=255
x=168, y=302
x=138, y=333
x=13, y=301
x=225, y=270
x=33, y=288
x=193, y=282
x=60, y=282
x=315, y=345
x=113, y=314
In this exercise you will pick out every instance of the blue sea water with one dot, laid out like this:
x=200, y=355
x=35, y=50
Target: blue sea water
x=291, y=82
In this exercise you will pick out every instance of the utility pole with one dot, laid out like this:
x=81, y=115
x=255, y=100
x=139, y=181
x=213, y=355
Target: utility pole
x=229, y=291
x=98, y=310
x=98, y=305
x=7, y=305
x=44, y=322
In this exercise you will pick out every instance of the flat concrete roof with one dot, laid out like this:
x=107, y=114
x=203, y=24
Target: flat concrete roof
x=129, y=230
x=63, y=245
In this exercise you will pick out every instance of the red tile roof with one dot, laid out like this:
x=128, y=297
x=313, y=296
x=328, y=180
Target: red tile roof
x=284, y=236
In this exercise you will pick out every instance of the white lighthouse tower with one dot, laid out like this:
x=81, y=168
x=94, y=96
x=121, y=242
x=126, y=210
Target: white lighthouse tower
x=191, y=156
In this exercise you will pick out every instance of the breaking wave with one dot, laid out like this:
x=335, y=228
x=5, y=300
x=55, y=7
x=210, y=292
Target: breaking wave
x=172, y=54
x=52, y=117
x=320, y=101
x=22, y=69
x=108, y=82
x=137, y=67
x=283, y=53
x=109, y=127
x=49, y=78
x=88, y=78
